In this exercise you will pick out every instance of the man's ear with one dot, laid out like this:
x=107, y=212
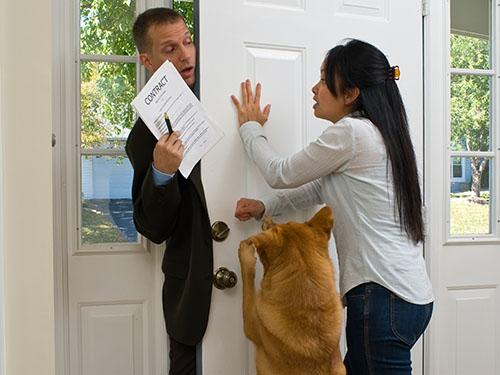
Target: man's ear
x=323, y=220
x=146, y=62
x=351, y=95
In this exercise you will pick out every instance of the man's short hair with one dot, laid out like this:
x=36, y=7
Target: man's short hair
x=151, y=17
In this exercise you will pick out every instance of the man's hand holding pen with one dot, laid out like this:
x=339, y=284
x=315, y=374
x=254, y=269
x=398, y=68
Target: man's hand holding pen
x=168, y=153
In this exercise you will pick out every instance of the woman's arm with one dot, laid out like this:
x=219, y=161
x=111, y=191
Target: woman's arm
x=282, y=201
x=328, y=154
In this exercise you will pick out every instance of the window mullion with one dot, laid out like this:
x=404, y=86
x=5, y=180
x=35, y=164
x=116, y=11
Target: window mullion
x=102, y=152
x=108, y=58
x=475, y=72
x=485, y=154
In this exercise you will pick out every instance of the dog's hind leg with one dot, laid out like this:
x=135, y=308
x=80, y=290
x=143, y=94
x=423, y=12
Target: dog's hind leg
x=247, y=264
x=338, y=367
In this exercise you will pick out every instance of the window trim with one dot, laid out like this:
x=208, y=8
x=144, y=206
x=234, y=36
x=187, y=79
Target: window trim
x=494, y=154
x=75, y=203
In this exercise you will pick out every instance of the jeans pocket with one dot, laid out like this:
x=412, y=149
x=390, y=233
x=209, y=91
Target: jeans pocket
x=408, y=321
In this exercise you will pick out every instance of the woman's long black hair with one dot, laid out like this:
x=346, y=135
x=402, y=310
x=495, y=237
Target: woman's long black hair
x=357, y=64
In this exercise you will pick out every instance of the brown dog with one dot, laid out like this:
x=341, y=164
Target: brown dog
x=295, y=319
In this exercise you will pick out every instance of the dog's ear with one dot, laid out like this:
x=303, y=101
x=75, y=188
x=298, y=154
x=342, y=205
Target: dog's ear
x=267, y=223
x=260, y=246
x=323, y=220
x=267, y=245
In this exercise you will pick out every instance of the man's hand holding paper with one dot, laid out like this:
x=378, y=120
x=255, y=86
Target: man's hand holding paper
x=168, y=153
x=166, y=92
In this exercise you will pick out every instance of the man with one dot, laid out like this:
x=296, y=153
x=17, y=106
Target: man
x=168, y=206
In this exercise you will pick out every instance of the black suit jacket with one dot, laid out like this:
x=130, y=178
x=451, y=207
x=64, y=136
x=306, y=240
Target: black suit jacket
x=177, y=213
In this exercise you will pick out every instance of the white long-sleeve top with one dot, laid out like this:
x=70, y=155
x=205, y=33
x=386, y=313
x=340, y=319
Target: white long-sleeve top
x=346, y=168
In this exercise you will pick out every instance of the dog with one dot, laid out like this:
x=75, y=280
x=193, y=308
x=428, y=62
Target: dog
x=295, y=318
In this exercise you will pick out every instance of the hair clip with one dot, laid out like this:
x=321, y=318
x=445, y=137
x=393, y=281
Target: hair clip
x=394, y=73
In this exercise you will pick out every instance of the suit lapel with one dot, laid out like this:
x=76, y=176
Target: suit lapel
x=195, y=177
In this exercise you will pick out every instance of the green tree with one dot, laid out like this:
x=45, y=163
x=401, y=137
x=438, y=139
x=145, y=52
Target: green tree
x=92, y=121
x=186, y=9
x=470, y=102
x=107, y=88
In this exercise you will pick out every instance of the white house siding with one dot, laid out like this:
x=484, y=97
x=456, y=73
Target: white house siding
x=106, y=178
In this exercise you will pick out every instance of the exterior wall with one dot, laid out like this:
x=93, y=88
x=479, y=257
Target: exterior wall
x=106, y=178
x=26, y=121
x=459, y=185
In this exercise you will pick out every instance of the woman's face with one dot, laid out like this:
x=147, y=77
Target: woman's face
x=327, y=106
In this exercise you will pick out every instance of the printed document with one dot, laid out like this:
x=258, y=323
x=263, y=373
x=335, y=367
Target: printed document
x=166, y=92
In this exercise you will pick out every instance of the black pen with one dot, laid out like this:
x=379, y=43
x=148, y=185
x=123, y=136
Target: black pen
x=169, y=125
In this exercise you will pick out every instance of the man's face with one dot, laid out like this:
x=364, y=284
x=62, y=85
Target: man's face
x=171, y=41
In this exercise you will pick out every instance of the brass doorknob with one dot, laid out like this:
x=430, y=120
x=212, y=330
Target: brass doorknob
x=224, y=279
x=220, y=231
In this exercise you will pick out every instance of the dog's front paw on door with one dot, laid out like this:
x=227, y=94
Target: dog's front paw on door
x=246, y=254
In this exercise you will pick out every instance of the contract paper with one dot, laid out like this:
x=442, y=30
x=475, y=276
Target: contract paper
x=166, y=92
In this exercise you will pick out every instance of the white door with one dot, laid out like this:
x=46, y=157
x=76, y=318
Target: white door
x=281, y=43
x=108, y=283
x=463, y=79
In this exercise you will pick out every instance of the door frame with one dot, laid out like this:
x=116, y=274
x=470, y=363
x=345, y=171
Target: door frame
x=435, y=70
x=61, y=16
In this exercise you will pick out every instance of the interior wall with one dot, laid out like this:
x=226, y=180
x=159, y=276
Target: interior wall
x=2, y=222
x=26, y=121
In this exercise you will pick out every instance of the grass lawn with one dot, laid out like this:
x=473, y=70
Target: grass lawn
x=468, y=217
x=97, y=225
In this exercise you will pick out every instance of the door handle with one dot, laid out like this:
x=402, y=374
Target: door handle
x=220, y=231
x=224, y=279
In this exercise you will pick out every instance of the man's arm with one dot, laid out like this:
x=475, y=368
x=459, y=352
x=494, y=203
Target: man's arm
x=155, y=206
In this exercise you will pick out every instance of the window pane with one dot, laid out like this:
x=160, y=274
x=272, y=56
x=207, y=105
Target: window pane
x=470, y=113
x=106, y=27
x=107, y=210
x=185, y=7
x=107, y=89
x=470, y=34
x=457, y=171
x=470, y=198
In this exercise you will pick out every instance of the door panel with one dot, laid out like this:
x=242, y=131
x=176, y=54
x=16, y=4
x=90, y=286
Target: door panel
x=469, y=309
x=281, y=43
x=115, y=318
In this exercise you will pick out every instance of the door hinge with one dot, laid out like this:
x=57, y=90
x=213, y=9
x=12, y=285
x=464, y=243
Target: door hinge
x=425, y=8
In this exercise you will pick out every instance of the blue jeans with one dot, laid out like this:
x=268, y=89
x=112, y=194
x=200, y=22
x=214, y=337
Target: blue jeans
x=381, y=330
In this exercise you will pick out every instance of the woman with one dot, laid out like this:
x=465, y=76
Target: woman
x=363, y=166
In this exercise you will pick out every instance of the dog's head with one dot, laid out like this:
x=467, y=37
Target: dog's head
x=281, y=244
